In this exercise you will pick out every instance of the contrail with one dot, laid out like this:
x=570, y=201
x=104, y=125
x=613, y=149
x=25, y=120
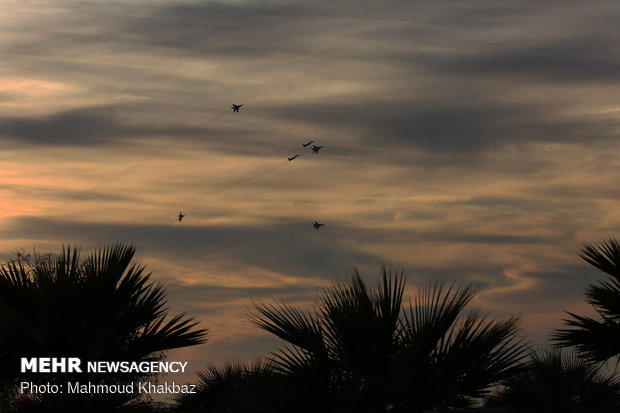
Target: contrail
x=153, y=230
x=239, y=181
x=135, y=165
x=250, y=177
x=226, y=187
x=109, y=181
x=217, y=115
x=113, y=178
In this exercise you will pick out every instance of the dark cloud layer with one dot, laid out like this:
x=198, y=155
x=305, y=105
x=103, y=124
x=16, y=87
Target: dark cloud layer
x=249, y=30
x=285, y=247
x=578, y=59
x=79, y=126
x=108, y=126
x=451, y=127
x=447, y=132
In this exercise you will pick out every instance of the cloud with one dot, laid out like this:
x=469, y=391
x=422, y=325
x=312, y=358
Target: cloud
x=210, y=297
x=578, y=59
x=120, y=125
x=564, y=284
x=287, y=247
x=239, y=30
x=42, y=193
x=447, y=127
x=82, y=127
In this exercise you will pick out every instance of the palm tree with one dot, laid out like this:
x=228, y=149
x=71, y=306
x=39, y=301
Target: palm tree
x=359, y=350
x=597, y=340
x=558, y=382
x=101, y=308
x=236, y=387
x=449, y=356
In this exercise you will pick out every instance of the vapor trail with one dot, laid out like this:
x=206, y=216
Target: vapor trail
x=251, y=176
x=239, y=181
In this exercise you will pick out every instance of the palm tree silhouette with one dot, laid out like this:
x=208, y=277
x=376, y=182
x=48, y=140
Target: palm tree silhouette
x=449, y=356
x=236, y=387
x=597, y=340
x=101, y=308
x=558, y=382
x=360, y=351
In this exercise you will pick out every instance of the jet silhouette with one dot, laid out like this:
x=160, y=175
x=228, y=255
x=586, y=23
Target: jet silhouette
x=235, y=108
x=306, y=144
x=317, y=225
x=290, y=159
x=315, y=149
x=181, y=216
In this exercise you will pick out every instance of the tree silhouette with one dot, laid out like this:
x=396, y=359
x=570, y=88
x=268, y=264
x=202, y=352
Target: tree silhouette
x=449, y=356
x=558, y=382
x=359, y=351
x=597, y=340
x=236, y=387
x=101, y=308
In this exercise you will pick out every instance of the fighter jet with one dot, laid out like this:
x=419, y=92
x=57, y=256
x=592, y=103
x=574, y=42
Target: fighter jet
x=290, y=159
x=181, y=216
x=317, y=225
x=315, y=149
x=235, y=108
x=306, y=144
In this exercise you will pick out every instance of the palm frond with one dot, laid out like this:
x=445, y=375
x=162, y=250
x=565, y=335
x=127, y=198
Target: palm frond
x=557, y=381
x=605, y=256
x=426, y=324
x=447, y=357
x=177, y=332
x=292, y=360
x=481, y=352
x=294, y=326
x=595, y=340
x=605, y=298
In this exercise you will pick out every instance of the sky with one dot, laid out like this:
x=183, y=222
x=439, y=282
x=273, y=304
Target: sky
x=471, y=141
